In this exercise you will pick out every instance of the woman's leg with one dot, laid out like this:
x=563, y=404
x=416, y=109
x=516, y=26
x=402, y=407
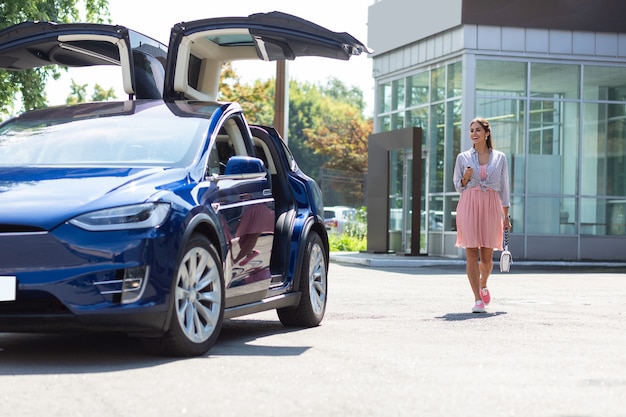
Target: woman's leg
x=486, y=265
x=473, y=271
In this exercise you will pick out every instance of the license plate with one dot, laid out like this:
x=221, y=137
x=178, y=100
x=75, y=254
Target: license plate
x=8, y=288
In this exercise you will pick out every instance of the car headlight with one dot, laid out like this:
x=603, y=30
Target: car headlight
x=137, y=216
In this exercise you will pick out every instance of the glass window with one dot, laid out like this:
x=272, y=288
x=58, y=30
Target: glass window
x=604, y=83
x=398, y=95
x=384, y=98
x=102, y=134
x=436, y=148
x=453, y=144
x=501, y=78
x=418, y=87
x=455, y=79
x=555, y=80
x=399, y=213
x=418, y=118
x=602, y=216
x=516, y=211
x=384, y=123
x=568, y=216
x=552, y=147
x=450, y=213
x=397, y=121
x=507, y=128
x=603, y=171
x=434, y=222
x=438, y=84
x=544, y=127
x=550, y=215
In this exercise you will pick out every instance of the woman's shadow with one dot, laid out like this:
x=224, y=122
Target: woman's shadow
x=469, y=316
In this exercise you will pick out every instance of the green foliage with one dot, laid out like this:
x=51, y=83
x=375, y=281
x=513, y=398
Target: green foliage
x=357, y=225
x=78, y=93
x=345, y=243
x=354, y=237
x=29, y=86
x=326, y=126
x=100, y=94
x=305, y=106
x=257, y=100
x=337, y=90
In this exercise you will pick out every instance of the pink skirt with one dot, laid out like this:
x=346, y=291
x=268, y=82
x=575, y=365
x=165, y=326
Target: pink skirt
x=479, y=219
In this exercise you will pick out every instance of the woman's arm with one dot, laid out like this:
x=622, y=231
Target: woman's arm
x=504, y=194
x=460, y=178
x=504, y=183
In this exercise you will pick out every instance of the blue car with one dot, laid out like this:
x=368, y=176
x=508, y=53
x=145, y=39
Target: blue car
x=166, y=213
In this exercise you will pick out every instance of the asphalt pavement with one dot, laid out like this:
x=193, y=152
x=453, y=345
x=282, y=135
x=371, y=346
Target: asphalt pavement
x=552, y=342
x=396, y=341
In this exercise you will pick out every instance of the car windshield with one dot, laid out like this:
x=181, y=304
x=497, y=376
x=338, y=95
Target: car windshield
x=126, y=135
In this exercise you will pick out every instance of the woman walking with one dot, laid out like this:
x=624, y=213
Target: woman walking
x=481, y=177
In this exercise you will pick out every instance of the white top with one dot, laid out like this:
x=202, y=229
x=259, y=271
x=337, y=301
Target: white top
x=497, y=173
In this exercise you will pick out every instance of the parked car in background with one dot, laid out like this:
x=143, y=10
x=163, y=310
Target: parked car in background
x=164, y=214
x=337, y=217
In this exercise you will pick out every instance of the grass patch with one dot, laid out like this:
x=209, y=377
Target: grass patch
x=347, y=243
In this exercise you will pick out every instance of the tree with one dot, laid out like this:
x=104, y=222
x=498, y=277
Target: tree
x=30, y=85
x=257, y=100
x=304, y=113
x=341, y=136
x=78, y=93
x=327, y=128
x=100, y=94
x=337, y=90
x=326, y=123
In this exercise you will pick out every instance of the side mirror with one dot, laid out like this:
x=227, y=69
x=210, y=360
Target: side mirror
x=244, y=165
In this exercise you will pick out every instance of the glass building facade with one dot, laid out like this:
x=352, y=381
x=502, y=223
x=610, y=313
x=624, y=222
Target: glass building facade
x=559, y=117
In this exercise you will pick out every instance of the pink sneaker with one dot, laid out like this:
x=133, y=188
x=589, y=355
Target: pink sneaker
x=479, y=307
x=485, y=296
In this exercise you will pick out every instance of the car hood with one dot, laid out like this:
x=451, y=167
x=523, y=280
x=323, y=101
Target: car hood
x=37, y=199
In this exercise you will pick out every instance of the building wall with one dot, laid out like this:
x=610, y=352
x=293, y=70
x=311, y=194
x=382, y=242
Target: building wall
x=395, y=23
x=569, y=196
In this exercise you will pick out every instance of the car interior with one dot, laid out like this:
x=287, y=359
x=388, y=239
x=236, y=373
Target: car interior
x=198, y=68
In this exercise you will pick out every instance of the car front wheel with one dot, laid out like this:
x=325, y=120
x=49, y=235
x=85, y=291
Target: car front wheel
x=313, y=287
x=198, y=306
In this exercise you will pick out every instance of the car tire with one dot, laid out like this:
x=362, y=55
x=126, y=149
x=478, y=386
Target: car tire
x=197, y=309
x=313, y=287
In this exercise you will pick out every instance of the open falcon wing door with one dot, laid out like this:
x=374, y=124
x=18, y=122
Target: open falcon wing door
x=36, y=44
x=198, y=49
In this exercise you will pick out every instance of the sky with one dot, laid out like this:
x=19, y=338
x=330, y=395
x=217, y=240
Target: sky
x=156, y=22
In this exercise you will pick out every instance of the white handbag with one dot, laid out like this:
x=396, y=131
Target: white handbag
x=506, y=259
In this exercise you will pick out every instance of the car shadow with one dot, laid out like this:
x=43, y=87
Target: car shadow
x=236, y=334
x=469, y=316
x=40, y=354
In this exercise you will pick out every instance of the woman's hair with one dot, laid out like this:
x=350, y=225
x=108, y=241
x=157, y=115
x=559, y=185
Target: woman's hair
x=485, y=124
